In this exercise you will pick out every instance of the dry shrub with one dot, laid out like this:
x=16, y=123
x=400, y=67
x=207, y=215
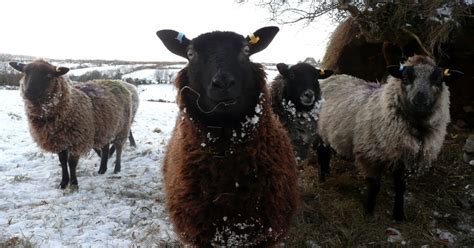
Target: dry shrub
x=331, y=213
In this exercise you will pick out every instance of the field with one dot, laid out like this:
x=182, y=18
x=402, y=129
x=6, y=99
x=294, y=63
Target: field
x=127, y=209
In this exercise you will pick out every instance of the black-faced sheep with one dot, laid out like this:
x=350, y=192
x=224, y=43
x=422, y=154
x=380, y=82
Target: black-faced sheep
x=395, y=126
x=229, y=170
x=296, y=100
x=71, y=120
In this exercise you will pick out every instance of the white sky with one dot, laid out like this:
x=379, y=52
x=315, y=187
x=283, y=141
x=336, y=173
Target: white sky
x=126, y=30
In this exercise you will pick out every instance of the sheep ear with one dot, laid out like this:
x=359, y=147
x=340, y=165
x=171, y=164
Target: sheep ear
x=395, y=70
x=324, y=73
x=451, y=75
x=17, y=66
x=283, y=69
x=61, y=71
x=174, y=41
x=392, y=53
x=261, y=38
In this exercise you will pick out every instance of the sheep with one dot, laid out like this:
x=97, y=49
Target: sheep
x=71, y=120
x=135, y=103
x=397, y=126
x=229, y=170
x=296, y=99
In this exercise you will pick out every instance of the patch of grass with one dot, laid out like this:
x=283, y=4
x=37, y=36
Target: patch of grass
x=14, y=116
x=21, y=178
x=16, y=241
x=331, y=213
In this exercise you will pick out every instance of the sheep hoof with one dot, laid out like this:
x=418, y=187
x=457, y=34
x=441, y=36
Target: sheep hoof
x=62, y=185
x=116, y=171
x=102, y=170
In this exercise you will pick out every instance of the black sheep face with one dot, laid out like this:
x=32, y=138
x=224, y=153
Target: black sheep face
x=302, y=85
x=39, y=77
x=422, y=83
x=220, y=84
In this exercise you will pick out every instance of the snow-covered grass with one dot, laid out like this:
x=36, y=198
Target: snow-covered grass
x=118, y=210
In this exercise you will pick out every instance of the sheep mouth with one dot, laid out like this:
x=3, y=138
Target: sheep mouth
x=307, y=101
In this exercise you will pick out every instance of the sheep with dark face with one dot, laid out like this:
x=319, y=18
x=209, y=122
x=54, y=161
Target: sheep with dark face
x=296, y=100
x=71, y=120
x=229, y=171
x=396, y=126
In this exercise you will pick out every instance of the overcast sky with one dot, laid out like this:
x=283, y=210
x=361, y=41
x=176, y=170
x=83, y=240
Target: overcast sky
x=126, y=30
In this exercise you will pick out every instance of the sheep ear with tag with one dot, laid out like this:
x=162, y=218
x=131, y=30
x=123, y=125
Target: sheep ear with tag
x=324, y=73
x=61, y=71
x=261, y=38
x=395, y=71
x=17, y=66
x=175, y=42
x=451, y=75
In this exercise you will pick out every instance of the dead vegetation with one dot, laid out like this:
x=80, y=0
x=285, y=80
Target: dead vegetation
x=439, y=206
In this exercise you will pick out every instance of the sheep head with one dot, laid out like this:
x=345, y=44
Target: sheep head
x=39, y=76
x=422, y=82
x=219, y=85
x=302, y=85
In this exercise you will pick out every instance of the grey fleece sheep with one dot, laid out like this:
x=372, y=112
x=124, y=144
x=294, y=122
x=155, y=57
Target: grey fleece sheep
x=397, y=125
x=71, y=120
x=135, y=104
x=296, y=99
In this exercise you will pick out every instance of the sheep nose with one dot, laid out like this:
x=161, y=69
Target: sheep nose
x=309, y=94
x=420, y=99
x=222, y=81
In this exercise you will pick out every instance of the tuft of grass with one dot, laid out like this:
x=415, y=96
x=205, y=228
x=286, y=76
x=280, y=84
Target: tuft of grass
x=331, y=213
x=16, y=241
x=21, y=178
x=14, y=116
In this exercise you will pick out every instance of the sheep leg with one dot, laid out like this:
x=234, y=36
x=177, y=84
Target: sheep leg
x=131, y=139
x=118, y=156
x=111, y=151
x=104, y=158
x=400, y=185
x=373, y=188
x=73, y=160
x=97, y=151
x=63, y=156
x=324, y=157
x=132, y=143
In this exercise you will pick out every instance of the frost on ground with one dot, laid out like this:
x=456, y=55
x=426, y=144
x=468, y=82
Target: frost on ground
x=124, y=209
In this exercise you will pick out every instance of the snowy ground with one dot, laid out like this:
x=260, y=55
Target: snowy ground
x=118, y=210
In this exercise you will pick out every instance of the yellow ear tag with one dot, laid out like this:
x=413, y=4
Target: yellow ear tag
x=446, y=73
x=57, y=69
x=253, y=39
x=321, y=72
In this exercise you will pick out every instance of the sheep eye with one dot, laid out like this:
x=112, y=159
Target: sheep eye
x=49, y=75
x=190, y=54
x=246, y=50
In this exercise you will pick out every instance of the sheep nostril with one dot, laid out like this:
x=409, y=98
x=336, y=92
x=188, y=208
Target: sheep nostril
x=222, y=82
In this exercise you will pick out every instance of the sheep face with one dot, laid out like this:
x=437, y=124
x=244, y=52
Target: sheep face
x=302, y=86
x=220, y=83
x=39, y=77
x=421, y=83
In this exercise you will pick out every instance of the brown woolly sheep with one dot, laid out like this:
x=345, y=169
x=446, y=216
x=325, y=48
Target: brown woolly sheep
x=393, y=126
x=229, y=170
x=296, y=99
x=71, y=120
